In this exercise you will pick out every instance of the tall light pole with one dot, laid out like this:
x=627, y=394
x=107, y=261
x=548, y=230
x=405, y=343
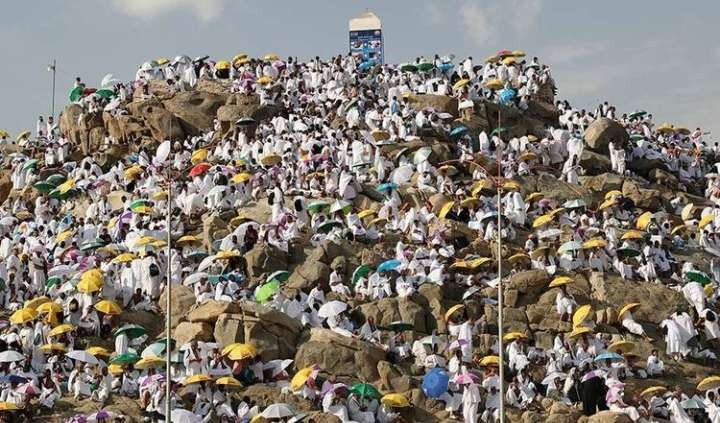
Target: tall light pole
x=53, y=68
x=501, y=362
x=168, y=290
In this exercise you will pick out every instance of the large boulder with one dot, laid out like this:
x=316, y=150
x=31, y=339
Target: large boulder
x=212, y=224
x=342, y=357
x=265, y=259
x=602, y=132
x=594, y=163
x=182, y=299
x=555, y=188
x=274, y=333
x=646, y=199
x=195, y=109
x=394, y=309
x=609, y=417
x=210, y=310
x=309, y=274
x=187, y=331
x=529, y=285
x=5, y=185
x=163, y=125
x=440, y=103
x=602, y=183
x=69, y=123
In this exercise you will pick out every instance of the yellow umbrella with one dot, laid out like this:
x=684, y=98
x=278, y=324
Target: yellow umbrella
x=241, y=177
x=239, y=57
x=627, y=308
x=678, y=228
x=595, y=243
x=607, y=203
x=621, y=347
x=162, y=61
x=492, y=59
x=160, y=195
x=123, y=258
x=490, y=360
x=108, y=307
x=446, y=209
x=378, y=221
x=515, y=258
x=4, y=133
x=474, y=264
x=665, y=128
x=395, y=400
x=52, y=347
x=133, y=171
x=687, y=211
x=539, y=252
x=494, y=84
x=633, y=234
x=706, y=220
x=518, y=53
x=242, y=352
x=542, y=220
x=227, y=254
x=59, y=330
x=653, y=390
x=460, y=83
x=66, y=186
x=62, y=236
x=579, y=330
x=148, y=362
x=528, y=156
x=682, y=131
x=454, y=309
x=367, y=212
x=23, y=135
x=560, y=281
x=198, y=156
x=448, y=170
x=36, y=302
x=612, y=194
x=145, y=241
x=460, y=265
x=511, y=186
x=23, y=316
x=8, y=406
x=301, y=377
x=49, y=307
x=222, y=65
x=556, y=212
x=509, y=61
x=270, y=160
x=710, y=382
x=264, y=80
x=532, y=138
x=143, y=210
x=643, y=221
x=159, y=243
x=534, y=197
x=115, y=369
x=581, y=314
x=270, y=57
x=188, y=239
x=509, y=337
x=230, y=347
x=380, y=135
x=98, y=351
x=89, y=285
x=484, y=184
x=196, y=379
x=228, y=381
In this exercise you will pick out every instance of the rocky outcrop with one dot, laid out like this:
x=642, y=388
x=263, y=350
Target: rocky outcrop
x=602, y=132
x=182, y=299
x=196, y=110
x=209, y=311
x=187, y=331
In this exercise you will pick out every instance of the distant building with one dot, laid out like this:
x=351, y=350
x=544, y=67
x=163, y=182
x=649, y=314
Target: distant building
x=366, y=39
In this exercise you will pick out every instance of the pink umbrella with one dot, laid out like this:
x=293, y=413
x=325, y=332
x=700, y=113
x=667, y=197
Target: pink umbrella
x=28, y=389
x=466, y=378
x=459, y=343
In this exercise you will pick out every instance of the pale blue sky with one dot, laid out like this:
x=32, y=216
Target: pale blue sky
x=661, y=55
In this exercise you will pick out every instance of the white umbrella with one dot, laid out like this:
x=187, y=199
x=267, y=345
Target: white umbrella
x=162, y=153
x=278, y=411
x=10, y=356
x=195, y=278
x=109, y=80
x=8, y=221
x=338, y=205
x=206, y=263
x=216, y=190
x=83, y=356
x=402, y=174
x=60, y=270
x=550, y=233
x=431, y=340
x=422, y=155
x=277, y=366
x=180, y=415
x=333, y=308
x=552, y=376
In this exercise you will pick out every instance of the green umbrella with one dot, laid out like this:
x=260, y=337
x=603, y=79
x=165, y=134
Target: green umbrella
x=264, y=292
x=280, y=276
x=498, y=131
x=140, y=203
x=44, y=186
x=424, y=67
x=317, y=207
x=360, y=272
x=104, y=93
x=365, y=390
x=53, y=280
x=328, y=226
x=132, y=331
x=157, y=348
x=59, y=196
x=409, y=68
x=92, y=244
x=76, y=93
x=56, y=179
x=627, y=252
x=125, y=358
x=638, y=114
x=399, y=327
x=698, y=276
x=636, y=137
x=30, y=164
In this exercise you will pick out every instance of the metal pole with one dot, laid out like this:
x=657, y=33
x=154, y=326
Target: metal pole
x=168, y=310
x=501, y=374
x=53, y=68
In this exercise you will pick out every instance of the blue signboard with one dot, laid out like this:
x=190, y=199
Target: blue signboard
x=367, y=45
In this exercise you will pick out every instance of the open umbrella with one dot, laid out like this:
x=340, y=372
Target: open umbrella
x=266, y=291
x=621, y=347
x=579, y=330
x=301, y=377
x=180, y=415
x=552, y=376
x=132, y=331
x=23, y=316
x=710, y=382
x=199, y=169
x=83, y=356
x=278, y=411
x=360, y=272
x=332, y=308
x=609, y=356
x=108, y=307
x=148, y=362
x=435, y=382
x=61, y=329
x=11, y=356
x=398, y=326
x=125, y=358
x=388, y=186
x=395, y=400
x=365, y=390
x=388, y=265
x=698, y=276
x=241, y=351
x=570, y=246
x=581, y=314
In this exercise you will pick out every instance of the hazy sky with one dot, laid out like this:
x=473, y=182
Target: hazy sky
x=659, y=55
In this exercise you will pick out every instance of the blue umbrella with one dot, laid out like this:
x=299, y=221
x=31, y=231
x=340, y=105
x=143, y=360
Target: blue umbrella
x=506, y=95
x=387, y=186
x=366, y=65
x=609, y=356
x=435, y=382
x=445, y=67
x=388, y=265
x=13, y=379
x=456, y=132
